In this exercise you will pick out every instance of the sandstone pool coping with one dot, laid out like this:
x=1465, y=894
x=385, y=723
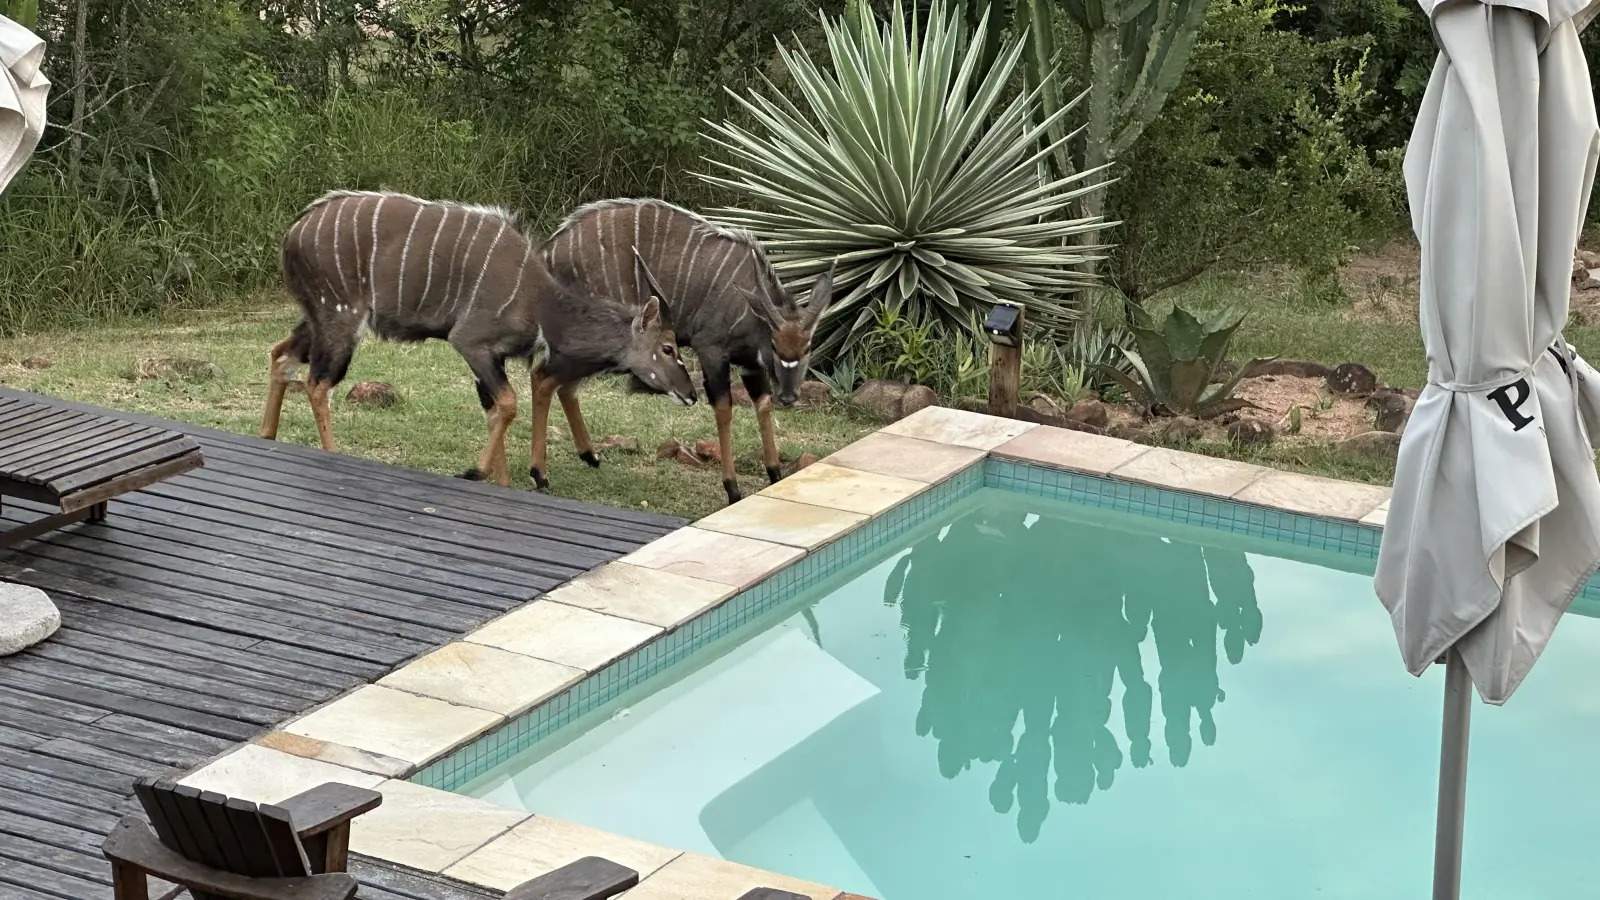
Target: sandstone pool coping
x=376, y=735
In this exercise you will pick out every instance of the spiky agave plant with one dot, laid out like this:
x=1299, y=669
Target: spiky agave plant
x=1178, y=366
x=908, y=169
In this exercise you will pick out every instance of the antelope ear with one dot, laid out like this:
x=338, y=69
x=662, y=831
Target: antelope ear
x=649, y=316
x=821, y=296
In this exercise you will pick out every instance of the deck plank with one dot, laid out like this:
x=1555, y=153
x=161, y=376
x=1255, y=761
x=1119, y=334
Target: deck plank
x=216, y=604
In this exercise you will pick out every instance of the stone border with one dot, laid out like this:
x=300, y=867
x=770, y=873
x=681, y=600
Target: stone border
x=377, y=735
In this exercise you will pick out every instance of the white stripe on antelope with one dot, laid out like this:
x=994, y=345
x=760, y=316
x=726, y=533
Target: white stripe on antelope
x=490, y=295
x=715, y=277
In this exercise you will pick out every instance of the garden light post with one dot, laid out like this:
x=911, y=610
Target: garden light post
x=1004, y=327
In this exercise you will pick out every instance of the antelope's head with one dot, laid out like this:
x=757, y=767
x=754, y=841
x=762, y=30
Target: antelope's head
x=792, y=326
x=652, y=352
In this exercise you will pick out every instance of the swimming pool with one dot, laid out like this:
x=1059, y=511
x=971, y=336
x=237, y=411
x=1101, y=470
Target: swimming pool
x=1032, y=682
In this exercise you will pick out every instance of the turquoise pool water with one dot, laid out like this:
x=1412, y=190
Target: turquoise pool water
x=1023, y=696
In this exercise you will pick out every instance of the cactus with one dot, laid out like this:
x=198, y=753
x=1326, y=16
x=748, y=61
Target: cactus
x=22, y=12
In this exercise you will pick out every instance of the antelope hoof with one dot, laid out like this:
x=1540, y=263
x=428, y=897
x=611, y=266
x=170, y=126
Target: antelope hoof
x=590, y=457
x=540, y=483
x=732, y=487
x=774, y=474
x=472, y=474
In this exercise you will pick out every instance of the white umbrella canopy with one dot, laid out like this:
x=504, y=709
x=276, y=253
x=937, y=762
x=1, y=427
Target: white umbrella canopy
x=1494, y=525
x=23, y=90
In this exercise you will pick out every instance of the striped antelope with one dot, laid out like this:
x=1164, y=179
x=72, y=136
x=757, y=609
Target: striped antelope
x=409, y=269
x=727, y=302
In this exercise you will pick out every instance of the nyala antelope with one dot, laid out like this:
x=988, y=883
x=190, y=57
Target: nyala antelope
x=409, y=269
x=727, y=303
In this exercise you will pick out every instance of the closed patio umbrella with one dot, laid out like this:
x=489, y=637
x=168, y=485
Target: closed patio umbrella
x=1494, y=525
x=23, y=89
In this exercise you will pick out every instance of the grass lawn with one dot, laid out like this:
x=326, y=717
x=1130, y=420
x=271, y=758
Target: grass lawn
x=438, y=425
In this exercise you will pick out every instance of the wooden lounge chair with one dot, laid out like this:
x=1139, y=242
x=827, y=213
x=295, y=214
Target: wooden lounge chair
x=76, y=461
x=295, y=850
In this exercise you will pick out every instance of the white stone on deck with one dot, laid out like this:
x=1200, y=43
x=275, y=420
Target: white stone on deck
x=26, y=617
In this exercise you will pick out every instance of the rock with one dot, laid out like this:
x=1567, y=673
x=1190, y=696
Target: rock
x=26, y=617
x=892, y=400
x=1181, y=430
x=1352, y=379
x=708, y=451
x=1044, y=403
x=814, y=394
x=805, y=459
x=674, y=449
x=1383, y=445
x=1089, y=412
x=38, y=363
x=1246, y=432
x=1294, y=368
x=375, y=394
x=176, y=368
x=1590, y=258
x=738, y=395
x=1393, y=408
x=917, y=398
x=619, y=442
x=1580, y=271
x=1591, y=283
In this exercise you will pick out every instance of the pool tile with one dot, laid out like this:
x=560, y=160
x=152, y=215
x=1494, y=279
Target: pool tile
x=1189, y=472
x=1378, y=517
x=264, y=775
x=1314, y=496
x=643, y=595
x=1074, y=450
x=904, y=457
x=543, y=844
x=695, y=877
x=338, y=754
x=483, y=677
x=395, y=723
x=563, y=634
x=782, y=522
x=959, y=427
x=427, y=829
x=851, y=490
x=714, y=556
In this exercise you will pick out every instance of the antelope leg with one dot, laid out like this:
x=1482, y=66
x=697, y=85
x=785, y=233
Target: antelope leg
x=730, y=483
x=279, y=371
x=318, y=392
x=493, y=458
x=543, y=387
x=568, y=394
x=755, y=384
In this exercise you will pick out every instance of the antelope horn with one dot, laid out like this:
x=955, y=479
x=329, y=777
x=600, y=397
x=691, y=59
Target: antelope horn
x=821, y=296
x=650, y=278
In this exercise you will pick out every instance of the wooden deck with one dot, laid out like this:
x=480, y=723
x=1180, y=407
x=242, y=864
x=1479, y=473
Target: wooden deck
x=212, y=606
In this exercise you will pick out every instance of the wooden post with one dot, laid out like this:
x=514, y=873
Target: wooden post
x=1005, y=373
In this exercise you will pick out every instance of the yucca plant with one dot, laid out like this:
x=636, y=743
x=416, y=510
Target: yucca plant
x=908, y=169
x=1177, y=368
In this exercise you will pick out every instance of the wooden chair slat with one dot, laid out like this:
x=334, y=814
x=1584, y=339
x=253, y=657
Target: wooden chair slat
x=112, y=448
x=158, y=453
x=172, y=828
x=186, y=800
x=33, y=457
x=131, y=844
x=144, y=789
x=259, y=860
x=284, y=843
x=215, y=808
x=19, y=453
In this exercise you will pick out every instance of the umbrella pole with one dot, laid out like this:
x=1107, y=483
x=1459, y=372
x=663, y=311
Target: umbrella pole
x=1452, y=778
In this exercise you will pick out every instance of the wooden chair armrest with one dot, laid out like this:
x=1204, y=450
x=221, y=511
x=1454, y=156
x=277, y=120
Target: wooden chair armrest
x=133, y=844
x=772, y=894
x=327, y=806
x=590, y=878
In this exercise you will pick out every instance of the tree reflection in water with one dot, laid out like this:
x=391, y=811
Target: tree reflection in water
x=1035, y=618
